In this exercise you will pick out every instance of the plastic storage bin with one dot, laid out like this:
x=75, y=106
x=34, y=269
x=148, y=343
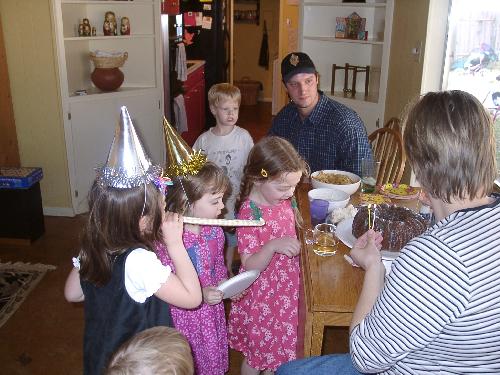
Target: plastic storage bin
x=249, y=90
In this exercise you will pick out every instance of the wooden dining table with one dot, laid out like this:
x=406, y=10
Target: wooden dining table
x=330, y=286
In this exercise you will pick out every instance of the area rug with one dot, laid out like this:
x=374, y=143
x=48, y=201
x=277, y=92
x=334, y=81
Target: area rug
x=17, y=280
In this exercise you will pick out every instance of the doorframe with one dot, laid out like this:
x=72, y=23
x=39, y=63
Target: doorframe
x=9, y=148
x=434, y=52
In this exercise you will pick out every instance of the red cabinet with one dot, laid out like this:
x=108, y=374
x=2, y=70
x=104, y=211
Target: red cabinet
x=194, y=99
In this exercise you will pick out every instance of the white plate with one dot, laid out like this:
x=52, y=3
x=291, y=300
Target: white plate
x=344, y=234
x=238, y=283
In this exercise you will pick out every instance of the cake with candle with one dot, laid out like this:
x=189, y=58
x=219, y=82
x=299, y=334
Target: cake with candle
x=398, y=225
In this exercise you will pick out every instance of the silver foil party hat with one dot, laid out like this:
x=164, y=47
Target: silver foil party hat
x=127, y=166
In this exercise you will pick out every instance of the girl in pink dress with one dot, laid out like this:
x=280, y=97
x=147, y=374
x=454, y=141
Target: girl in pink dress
x=263, y=322
x=205, y=326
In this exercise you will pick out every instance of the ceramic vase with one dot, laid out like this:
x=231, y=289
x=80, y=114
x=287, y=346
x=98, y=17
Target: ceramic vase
x=107, y=79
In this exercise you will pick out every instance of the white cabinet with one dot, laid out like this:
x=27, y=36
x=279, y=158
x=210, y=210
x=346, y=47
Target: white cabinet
x=89, y=120
x=317, y=39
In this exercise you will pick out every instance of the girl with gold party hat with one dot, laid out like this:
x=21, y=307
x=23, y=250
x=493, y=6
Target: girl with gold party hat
x=198, y=190
x=124, y=287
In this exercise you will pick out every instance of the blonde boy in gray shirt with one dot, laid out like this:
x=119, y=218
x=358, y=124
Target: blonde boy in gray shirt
x=227, y=145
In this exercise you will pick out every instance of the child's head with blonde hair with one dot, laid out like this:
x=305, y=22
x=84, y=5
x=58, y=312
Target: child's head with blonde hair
x=154, y=351
x=221, y=92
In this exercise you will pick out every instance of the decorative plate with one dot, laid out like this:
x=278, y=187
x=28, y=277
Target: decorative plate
x=238, y=283
x=400, y=191
x=367, y=198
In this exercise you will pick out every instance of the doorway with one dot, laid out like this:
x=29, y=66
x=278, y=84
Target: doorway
x=256, y=43
x=282, y=23
x=9, y=153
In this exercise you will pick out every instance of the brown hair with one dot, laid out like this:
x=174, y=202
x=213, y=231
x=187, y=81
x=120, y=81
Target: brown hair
x=223, y=91
x=188, y=189
x=154, y=351
x=276, y=156
x=450, y=145
x=112, y=227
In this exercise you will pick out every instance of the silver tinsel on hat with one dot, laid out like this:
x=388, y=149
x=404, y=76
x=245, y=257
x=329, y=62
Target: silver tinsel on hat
x=127, y=166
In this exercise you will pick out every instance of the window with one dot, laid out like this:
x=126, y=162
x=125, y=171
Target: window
x=472, y=60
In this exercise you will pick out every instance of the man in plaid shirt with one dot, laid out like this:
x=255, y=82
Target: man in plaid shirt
x=327, y=134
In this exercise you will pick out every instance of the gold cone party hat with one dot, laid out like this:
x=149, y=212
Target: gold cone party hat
x=128, y=165
x=180, y=158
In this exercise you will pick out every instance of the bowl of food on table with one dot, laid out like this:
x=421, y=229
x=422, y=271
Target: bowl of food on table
x=336, y=179
x=336, y=198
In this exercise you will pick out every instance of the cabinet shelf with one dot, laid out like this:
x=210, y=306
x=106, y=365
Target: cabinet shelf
x=93, y=92
x=319, y=41
x=102, y=2
x=104, y=37
x=89, y=119
x=345, y=98
x=346, y=5
x=332, y=39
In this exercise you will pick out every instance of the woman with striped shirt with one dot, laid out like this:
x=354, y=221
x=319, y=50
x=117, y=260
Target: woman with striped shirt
x=438, y=311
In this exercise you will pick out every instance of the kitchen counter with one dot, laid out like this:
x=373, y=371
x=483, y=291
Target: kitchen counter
x=192, y=65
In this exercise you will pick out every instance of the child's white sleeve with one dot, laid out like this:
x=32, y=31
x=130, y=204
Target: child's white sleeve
x=144, y=274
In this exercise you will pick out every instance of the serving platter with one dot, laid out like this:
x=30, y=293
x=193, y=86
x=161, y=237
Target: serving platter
x=399, y=191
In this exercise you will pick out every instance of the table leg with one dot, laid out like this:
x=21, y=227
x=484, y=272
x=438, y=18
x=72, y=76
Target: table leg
x=308, y=329
x=318, y=328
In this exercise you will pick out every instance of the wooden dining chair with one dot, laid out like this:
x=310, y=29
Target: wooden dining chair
x=387, y=146
x=394, y=123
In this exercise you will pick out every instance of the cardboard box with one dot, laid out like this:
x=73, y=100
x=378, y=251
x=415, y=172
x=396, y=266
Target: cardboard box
x=21, y=203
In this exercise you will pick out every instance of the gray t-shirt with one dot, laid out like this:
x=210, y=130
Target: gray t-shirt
x=229, y=152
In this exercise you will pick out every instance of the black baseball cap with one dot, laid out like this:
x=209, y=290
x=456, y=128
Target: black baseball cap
x=295, y=63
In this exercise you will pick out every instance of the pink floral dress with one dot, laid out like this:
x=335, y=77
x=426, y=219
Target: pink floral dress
x=263, y=324
x=205, y=326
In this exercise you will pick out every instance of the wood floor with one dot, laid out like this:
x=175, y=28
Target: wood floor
x=45, y=335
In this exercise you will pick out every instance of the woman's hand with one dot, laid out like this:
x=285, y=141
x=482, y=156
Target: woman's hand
x=172, y=228
x=289, y=246
x=212, y=295
x=366, y=249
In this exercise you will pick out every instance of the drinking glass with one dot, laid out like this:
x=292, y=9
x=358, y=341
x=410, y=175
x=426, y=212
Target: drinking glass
x=323, y=239
x=369, y=174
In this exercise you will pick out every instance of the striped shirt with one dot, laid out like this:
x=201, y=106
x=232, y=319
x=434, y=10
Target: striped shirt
x=331, y=137
x=439, y=311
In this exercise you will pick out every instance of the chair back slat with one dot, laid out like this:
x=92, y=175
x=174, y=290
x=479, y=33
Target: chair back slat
x=395, y=124
x=387, y=147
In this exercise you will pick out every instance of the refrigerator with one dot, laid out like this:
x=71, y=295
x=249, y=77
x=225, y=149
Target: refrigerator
x=202, y=26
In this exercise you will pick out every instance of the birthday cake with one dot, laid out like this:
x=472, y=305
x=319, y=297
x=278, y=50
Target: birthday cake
x=398, y=225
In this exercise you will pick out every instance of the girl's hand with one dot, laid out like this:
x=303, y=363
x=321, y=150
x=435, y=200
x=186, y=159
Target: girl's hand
x=211, y=295
x=366, y=249
x=239, y=296
x=288, y=246
x=172, y=228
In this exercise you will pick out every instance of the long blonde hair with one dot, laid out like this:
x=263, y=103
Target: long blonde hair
x=275, y=156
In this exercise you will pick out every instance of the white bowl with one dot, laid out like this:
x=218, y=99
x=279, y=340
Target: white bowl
x=336, y=198
x=349, y=188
